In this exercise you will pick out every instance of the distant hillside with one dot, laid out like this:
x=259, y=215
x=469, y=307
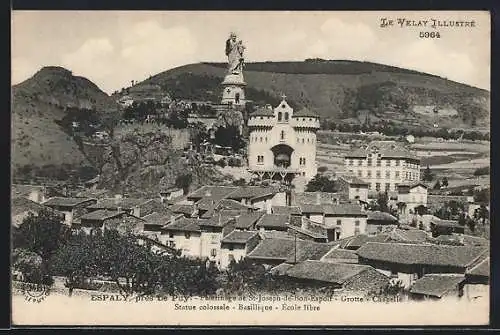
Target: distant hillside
x=339, y=90
x=39, y=105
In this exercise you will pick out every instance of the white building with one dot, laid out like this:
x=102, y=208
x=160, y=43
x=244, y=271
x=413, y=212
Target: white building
x=236, y=245
x=282, y=143
x=384, y=165
x=353, y=188
x=183, y=234
x=411, y=196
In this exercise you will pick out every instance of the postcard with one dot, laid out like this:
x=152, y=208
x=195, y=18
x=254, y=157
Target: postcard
x=250, y=168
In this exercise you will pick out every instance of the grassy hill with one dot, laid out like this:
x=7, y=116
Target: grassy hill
x=338, y=89
x=39, y=104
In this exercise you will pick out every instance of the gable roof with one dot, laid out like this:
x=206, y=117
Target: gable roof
x=414, y=235
x=273, y=221
x=387, y=149
x=183, y=224
x=312, y=208
x=157, y=218
x=337, y=255
x=353, y=180
x=66, y=202
x=422, y=254
x=300, y=198
x=380, y=216
x=307, y=232
x=183, y=208
x=252, y=192
x=237, y=236
x=361, y=239
x=101, y=215
x=262, y=111
x=213, y=192
x=337, y=273
x=287, y=210
x=344, y=210
x=481, y=269
x=288, y=250
x=436, y=285
x=413, y=185
x=247, y=220
x=114, y=203
x=21, y=205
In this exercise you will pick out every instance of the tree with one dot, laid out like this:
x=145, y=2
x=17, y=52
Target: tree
x=321, y=183
x=322, y=169
x=29, y=264
x=482, y=214
x=421, y=210
x=383, y=202
x=184, y=181
x=427, y=175
x=437, y=185
x=444, y=182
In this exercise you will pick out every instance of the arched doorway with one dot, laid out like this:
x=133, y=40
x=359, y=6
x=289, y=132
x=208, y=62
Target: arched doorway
x=282, y=155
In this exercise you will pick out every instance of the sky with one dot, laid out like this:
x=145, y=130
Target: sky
x=111, y=48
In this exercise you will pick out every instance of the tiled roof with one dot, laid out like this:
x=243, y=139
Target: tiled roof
x=101, y=215
x=262, y=111
x=288, y=210
x=273, y=220
x=216, y=221
x=237, y=236
x=114, y=203
x=387, y=149
x=21, y=205
x=280, y=269
x=312, y=198
x=312, y=208
x=24, y=190
x=481, y=269
x=96, y=194
x=214, y=192
x=305, y=112
x=359, y=240
x=381, y=216
x=247, y=220
x=353, y=180
x=183, y=224
x=446, y=223
x=423, y=254
x=414, y=235
x=232, y=204
x=344, y=210
x=182, y=208
x=327, y=272
x=337, y=255
x=436, y=285
x=66, y=202
x=307, y=232
x=276, y=234
x=412, y=185
x=289, y=250
x=157, y=218
x=252, y=192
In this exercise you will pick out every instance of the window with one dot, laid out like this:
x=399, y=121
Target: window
x=282, y=136
x=379, y=162
x=171, y=235
x=360, y=162
x=187, y=235
x=356, y=223
x=387, y=163
x=351, y=162
x=369, y=174
x=280, y=116
x=356, y=231
x=261, y=139
x=397, y=162
x=356, y=190
x=308, y=140
x=360, y=173
x=369, y=162
x=387, y=186
x=378, y=174
x=396, y=174
x=213, y=252
x=302, y=161
x=298, y=140
x=339, y=222
x=260, y=159
x=302, y=141
x=388, y=174
x=266, y=139
x=231, y=247
x=286, y=116
x=377, y=186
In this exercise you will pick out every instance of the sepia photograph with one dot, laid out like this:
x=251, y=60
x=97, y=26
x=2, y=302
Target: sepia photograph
x=250, y=168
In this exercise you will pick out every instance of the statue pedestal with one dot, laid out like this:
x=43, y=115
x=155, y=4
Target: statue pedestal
x=233, y=89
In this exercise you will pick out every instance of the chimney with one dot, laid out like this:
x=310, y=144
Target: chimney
x=318, y=198
x=119, y=209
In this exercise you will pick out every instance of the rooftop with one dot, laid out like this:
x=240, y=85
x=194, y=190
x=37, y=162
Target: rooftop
x=114, y=203
x=273, y=220
x=262, y=111
x=66, y=202
x=287, y=210
x=252, y=192
x=21, y=205
x=183, y=208
x=289, y=250
x=183, y=224
x=157, y=218
x=214, y=192
x=337, y=273
x=305, y=112
x=307, y=232
x=381, y=216
x=312, y=208
x=481, y=269
x=338, y=255
x=237, y=236
x=387, y=149
x=357, y=241
x=414, y=235
x=101, y=215
x=423, y=254
x=353, y=180
x=313, y=197
x=344, y=210
x=436, y=285
x=247, y=220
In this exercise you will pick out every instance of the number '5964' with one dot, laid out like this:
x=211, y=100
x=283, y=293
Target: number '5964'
x=429, y=34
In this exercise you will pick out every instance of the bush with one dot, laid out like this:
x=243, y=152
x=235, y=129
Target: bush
x=482, y=171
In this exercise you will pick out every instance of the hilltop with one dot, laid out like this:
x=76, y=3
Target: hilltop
x=39, y=105
x=340, y=90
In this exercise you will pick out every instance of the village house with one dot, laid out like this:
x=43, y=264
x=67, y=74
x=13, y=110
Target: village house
x=188, y=211
x=411, y=196
x=154, y=223
x=183, y=234
x=477, y=283
x=72, y=208
x=438, y=286
x=344, y=277
x=248, y=221
x=133, y=206
x=409, y=262
x=353, y=188
x=262, y=198
x=21, y=207
x=378, y=222
x=278, y=222
x=344, y=220
x=210, y=192
x=36, y=193
x=313, y=212
x=213, y=231
x=236, y=245
x=338, y=255
x=103, y=219
x=445, y=227
x=170, y=194
x=274, y=251
x=293, y=211
x=355, y=242
x=306, y=234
